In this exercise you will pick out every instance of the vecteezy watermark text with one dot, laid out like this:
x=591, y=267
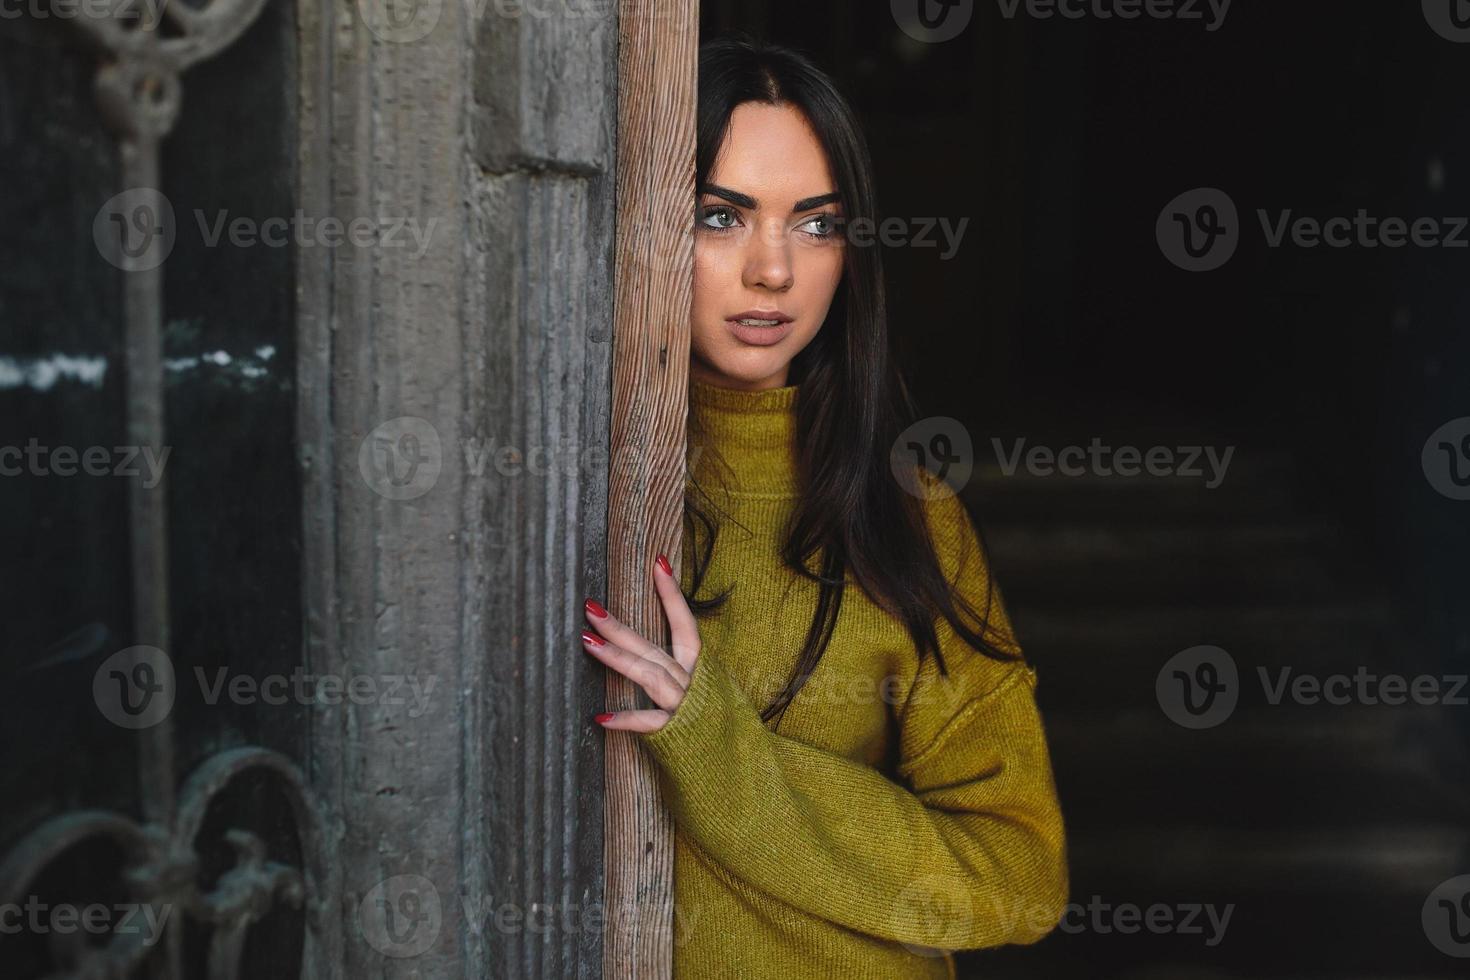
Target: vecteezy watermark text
x=908, y=233
x=38, y=460
x=1363, y=230
x=1099, y=459
x=300, y=687
x=1184, y=919
x=937, y=21
x=310, y=232
x=97, y=919
x=144, y=15
x=1211, y=12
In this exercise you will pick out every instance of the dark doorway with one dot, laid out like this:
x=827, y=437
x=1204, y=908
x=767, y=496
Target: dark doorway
x=1316, y=372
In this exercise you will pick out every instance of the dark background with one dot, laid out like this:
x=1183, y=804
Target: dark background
x=1325, y=548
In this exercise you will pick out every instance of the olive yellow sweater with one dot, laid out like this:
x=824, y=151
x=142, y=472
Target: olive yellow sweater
x=893, y=814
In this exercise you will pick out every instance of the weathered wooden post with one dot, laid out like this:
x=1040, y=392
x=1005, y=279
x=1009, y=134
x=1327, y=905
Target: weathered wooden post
x=654, y=270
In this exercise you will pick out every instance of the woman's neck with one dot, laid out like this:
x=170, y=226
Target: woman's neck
x=752, y=432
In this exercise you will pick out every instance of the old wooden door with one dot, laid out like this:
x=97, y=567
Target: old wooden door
x=306, y=374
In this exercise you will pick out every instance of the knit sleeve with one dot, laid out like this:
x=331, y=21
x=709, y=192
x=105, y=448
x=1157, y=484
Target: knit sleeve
x=967, y=851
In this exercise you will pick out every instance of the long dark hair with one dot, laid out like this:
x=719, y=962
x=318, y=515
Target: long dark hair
x=852, y=402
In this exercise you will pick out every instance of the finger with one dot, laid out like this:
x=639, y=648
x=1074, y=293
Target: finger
x=644, y=649
x=630, y=639
x=683, y=629
x=636, y=720
x=660, y=685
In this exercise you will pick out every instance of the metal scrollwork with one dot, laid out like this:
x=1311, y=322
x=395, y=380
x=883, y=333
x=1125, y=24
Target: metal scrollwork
x=139, y=92
x=161, y=871
x=138, y=86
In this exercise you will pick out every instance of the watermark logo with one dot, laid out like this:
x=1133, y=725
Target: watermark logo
x=401, y=917
x=135, y=230
x=400, y=21
x=1446, y=917
x=1446, y=459
x=1450, y=19
x=1199, y=687
x=656, y=245
x=1199, y=230
x=134, y=688
x=940, y=445
x=402, y=458
x=938, y=911
x=933, y=21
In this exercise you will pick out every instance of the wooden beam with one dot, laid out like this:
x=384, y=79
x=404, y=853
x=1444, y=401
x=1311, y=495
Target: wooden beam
x=657, y=67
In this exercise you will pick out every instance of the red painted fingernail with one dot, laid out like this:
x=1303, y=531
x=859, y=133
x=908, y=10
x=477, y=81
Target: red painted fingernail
x=664, y=564
x=602, y=717
x=589, y=637
x=595, y=608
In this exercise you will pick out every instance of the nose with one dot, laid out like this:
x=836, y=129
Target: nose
x=768, y=258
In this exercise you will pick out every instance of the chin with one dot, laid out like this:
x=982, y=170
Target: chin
x=756, y=368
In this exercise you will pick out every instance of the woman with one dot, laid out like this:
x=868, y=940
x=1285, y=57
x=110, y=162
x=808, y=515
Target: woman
x=846, y=732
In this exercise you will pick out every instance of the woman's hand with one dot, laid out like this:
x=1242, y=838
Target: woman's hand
x=665, y=678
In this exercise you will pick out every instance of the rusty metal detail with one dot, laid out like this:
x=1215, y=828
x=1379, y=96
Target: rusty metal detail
x=139, y=92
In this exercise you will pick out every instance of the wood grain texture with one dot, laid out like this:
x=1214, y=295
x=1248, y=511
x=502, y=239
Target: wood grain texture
x=654, y=269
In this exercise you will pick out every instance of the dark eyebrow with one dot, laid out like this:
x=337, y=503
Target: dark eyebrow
x=734, y=197
x=746, y=201
x=807, y=203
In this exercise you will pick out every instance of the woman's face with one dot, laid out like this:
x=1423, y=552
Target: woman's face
x=767, y=245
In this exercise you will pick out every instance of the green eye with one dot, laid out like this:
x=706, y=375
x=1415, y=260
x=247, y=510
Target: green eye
x=717, y=213
x=827, y=225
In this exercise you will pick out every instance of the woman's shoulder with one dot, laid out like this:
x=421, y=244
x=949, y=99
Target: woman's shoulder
x=947, y=518
x=963, y=559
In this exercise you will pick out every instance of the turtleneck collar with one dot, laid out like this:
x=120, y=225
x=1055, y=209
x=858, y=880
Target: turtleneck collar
x=753, y=432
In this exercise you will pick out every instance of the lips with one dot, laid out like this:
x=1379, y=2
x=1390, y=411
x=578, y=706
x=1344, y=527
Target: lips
x=760, y=328
x=761, y=318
